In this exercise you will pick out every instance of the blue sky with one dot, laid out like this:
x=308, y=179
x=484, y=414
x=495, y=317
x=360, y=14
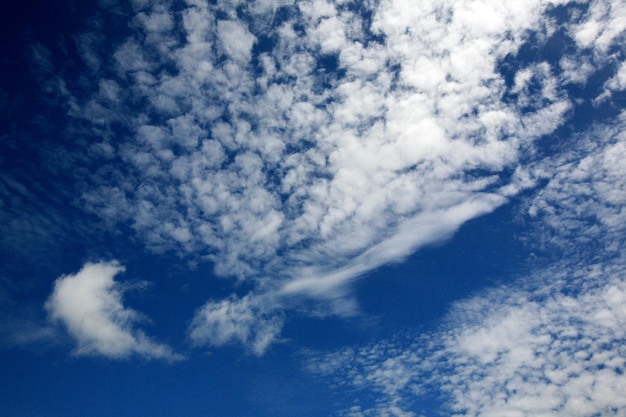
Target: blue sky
x=313, y=208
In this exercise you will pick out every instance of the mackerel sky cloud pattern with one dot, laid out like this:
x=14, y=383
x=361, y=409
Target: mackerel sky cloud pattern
x=302, y=147
x=323, y=157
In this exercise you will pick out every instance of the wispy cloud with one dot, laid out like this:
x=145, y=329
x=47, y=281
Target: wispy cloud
x=583, y=200
x=21, y=324
x=237, y=320
x=89, y=305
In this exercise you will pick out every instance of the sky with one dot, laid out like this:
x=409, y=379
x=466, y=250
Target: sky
x=313, y=208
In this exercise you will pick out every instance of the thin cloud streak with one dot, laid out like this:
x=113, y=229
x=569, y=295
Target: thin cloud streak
x=423, y=229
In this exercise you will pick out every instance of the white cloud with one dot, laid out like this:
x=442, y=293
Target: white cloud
x=414, y=233
x=555, y=347
x=130, y=57
x=615, y=84
x=583, y=200
x=157, y=21
x=244, y=320
x=552, y=342
x=89, y=305
x=271, y=165
x=388, y=369
x=236, y=40
x=604, y=24
x=541, y=352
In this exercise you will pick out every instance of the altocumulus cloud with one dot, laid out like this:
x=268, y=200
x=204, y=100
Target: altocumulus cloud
x=553, y=343
x=89, y=305
x=299, y=145
x=539, y=351
x=542, y=351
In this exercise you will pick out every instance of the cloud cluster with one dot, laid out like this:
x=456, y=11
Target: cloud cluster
x=242, y=320
x=552, y=343
x=541, y=352
x=89, y=305
x=583, y=200
x=547, y=349
x=298, y=145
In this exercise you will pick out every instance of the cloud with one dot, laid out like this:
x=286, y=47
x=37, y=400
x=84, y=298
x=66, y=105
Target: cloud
x=541, y=352
x=388, y=369
x=603, y=25
x=549, y=343
x=614, y=85
x=297, y=150
x=553, y=347
x=241, y=320
x=89, y=305
x=236, y=40
x=582, y=200
x=20, y=323
x=414, y=233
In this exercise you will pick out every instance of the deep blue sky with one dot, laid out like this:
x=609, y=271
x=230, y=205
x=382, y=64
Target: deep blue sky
x=312, y=208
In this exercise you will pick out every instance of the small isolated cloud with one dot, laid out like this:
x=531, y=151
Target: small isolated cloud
x=89, y=305
x=243, y=320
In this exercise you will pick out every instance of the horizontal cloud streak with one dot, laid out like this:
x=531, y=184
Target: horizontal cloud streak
x=423, y=229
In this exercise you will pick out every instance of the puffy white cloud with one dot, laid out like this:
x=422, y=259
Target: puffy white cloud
x=236, y=40
x=603, y=25
x=89, y=305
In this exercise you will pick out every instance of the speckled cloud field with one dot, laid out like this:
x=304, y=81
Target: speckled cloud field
x=289, y=185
